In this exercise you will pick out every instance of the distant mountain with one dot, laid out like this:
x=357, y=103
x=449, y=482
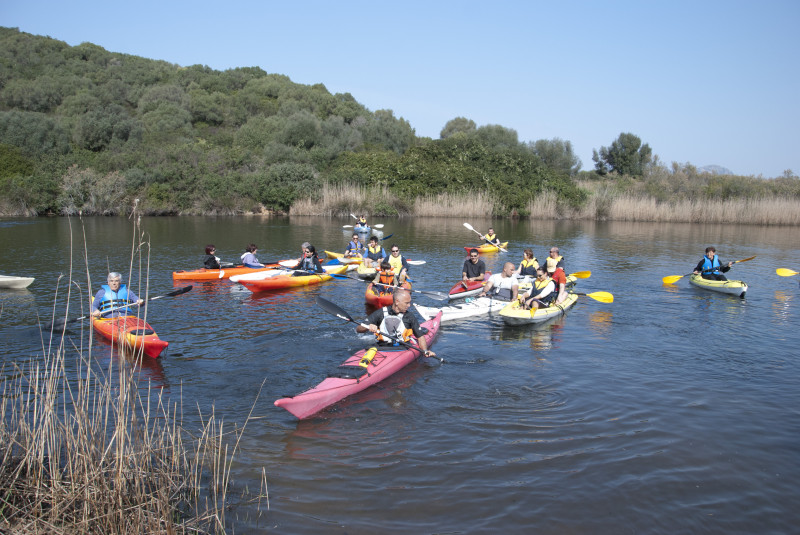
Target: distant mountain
x=715, y=170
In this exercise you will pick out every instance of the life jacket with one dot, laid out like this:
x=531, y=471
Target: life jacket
x=553, y=262
x=529, y=267
x=354, y=247
x=490, y=237
x=710, y=266
x=503, y=294
x=387, y=277
x=396, y=263
x=539, y=287
x=375, y=253
x=307, y=264
x=362, y=221
x=112, y=299
x=393, y=326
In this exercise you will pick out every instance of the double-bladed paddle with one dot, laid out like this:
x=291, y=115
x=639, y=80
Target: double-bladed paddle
x=468, y=226
x=671, y=279
x=341, y=313
x=59, y=323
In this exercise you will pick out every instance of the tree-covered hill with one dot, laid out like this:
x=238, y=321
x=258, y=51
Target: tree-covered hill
x=85, y=129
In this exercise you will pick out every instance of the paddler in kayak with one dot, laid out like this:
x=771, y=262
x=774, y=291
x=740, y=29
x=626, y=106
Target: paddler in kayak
x=542, y=293
x=249, y=258
x=491, y=237
x=375, y=253
x=114, y=295
x=502, y=286
x=555, y=270
x=399, y=263
x=354, y=248
x=210, y=261
x=386, y=279
x=710, y=267
x=309, y=263
x=474, y=269
x=527, y=268
x=361, y=224
x=396, y=321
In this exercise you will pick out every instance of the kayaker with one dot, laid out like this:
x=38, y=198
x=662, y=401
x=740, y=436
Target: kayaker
x=399, y=263
x=375, y=252
x=502, y=286
x=114, y=295
x=560, y=281
x=361, y=223
x=710, y=267
x=542, y=293
x=387, y=279
x=210, y=261
x=491, y=237
x=354, y=248
x=249, y=258
x=310, y=263
x=527, y=268
x=396, y=321
x=474, y=269
x=554, y=261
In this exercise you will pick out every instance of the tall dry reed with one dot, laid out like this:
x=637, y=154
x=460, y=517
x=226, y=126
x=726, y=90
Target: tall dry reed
x=453, y=205
x=343, y=199
x=88, y=452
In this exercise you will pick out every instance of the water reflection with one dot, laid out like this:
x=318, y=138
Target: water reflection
x=601, y=322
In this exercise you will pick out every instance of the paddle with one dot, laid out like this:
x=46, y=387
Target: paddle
x=581, y=274
x=439, y=296
x=468, y=226
x=603, y=297
x=61, y=322
x=783, y=272
x=675, y=278
x=339, y=312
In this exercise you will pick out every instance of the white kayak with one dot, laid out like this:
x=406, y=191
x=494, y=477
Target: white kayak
x=514, y=314
x=727, y=287
x=472, y=306
x=15, y=283
x=261, y=275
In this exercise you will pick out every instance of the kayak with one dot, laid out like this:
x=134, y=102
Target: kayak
x=487, y=248
x=277, y=279
x=350, y=377
x=475, y=306
x=727, y=287
x=382, y=299
x=472, y=306
x=15, y=283
x=473, y=288
x=514, y=314
x=365, y=272
x=133, y=331
x=204, y=274
x=344, y=260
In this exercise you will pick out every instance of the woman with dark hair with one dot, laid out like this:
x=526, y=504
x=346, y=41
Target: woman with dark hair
x=309, y=264
x=249, y=258
x=210, y=261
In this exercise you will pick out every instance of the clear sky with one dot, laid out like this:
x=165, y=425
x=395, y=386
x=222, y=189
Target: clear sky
x=704, y=82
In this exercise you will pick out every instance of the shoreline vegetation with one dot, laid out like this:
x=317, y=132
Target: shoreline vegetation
x=88, y=131
x=92, y=449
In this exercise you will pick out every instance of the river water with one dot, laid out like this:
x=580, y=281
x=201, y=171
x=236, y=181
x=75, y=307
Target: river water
x=671, y=410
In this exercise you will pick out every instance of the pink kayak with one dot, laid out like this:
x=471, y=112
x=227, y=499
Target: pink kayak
x=353, y=376
x=473, y=287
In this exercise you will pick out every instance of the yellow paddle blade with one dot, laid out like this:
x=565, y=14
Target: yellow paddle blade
x=783, y=272
x=603, y=297
x=581, y=274
x=672, y=279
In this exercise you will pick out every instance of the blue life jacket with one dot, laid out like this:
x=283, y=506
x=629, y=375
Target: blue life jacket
x=710, y=266
x=113, y=299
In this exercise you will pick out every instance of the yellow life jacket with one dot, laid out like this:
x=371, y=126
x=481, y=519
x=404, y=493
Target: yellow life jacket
x=490, y=237
x=396, y=262
x=553, y=262
x=376, y=249
x=529, y=267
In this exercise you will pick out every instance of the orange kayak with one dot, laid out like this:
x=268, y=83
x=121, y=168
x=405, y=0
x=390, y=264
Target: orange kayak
x=487, y=247
x=204, y=274
x=382, y=299
x=287, y=279
x=132, y=331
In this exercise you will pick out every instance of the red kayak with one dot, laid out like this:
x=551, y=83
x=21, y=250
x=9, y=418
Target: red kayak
x=473, y=287
x=363, y=369
x=133, y=332
x=382, y=298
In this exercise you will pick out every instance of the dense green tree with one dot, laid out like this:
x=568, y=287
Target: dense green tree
x=494, y=135
x=625, y=156
x=386, y=131
x=34, y=133
x=459, y=124
x=557, y=154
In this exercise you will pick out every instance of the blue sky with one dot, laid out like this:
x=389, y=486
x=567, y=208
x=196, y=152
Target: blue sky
x=708, y=82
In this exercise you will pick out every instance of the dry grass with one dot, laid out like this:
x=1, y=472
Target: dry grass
x=453, y=205
x=88, y=453
x=342, y=200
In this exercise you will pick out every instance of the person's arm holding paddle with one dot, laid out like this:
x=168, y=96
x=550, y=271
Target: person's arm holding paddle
x=401, y=301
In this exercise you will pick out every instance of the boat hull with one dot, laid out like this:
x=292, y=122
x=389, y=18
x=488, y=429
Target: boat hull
x=458, y=291
x=382, y=299
x=133, y=332
x=731, y=287
x=477, y=306
x=279, y=279
x=487, y=248
x=514, y=314
x=344, y=260
x=387, y=361
x=204, y=274
x=15, y=283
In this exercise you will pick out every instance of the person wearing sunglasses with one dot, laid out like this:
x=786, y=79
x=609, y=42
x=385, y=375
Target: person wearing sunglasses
x=354, y=248
x=542, y=292
x=399, y=264
x=474, y=269
x=555, y=270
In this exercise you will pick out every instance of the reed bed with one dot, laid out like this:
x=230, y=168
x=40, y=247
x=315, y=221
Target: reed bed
x=453, y=205
x=344, y=199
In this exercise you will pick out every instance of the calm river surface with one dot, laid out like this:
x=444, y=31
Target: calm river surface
x=672, y=410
